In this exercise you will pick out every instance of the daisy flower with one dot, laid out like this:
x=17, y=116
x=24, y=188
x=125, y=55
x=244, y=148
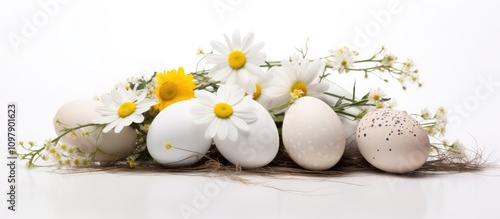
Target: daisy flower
x=173, y=86
x=342, y=59
x=238, y=62
x=227, y=112
x=376, y=96
x=122, y=107
x=294, y=80
x=261, y=94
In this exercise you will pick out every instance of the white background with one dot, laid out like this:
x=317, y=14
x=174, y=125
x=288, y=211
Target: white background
x=78, y=49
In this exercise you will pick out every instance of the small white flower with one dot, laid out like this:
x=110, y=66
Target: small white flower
x=388, y=59
x=376, y=96
x=342, y=59
x=227, y=112
x=392, y=103
x=426, y=114
x=122, y=107
x=238, y=62
x=441, y=114
x=294, y=80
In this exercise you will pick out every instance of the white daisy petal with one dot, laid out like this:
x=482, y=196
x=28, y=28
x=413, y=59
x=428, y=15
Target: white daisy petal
x=213, y=128
x=219, y=47
x=318, y=88
x=105, y=119
x=223, y=93
x=256, y=59
x=229, y=43
x=311, y=72
x=223, y=129
x=205, y=119
x=221, y=73
x=239, y=124
x=215, y=58
x=236, y=40
x=247, y=42
x=255, y=48
x=255, y=69
x=232, y=132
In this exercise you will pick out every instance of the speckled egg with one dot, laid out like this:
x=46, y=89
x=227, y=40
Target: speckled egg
x=392, y=141
x=313, y=135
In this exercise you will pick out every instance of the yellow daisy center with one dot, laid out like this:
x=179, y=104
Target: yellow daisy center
x=126, y=109
x=343, y=63
x=168, y=90
x=299, y=86
x=236, y=59
x=258, y=91
x=223, y=110
x=376, y=97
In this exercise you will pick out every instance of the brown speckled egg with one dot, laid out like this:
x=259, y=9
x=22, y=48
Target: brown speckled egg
x=392, y=141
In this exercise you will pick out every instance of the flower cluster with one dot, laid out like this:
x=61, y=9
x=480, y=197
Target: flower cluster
x=386, y=66
x=237, y=77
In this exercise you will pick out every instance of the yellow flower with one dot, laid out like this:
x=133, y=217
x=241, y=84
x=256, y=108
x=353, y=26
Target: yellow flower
x=173, y=86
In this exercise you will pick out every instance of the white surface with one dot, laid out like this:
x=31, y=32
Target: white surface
x=86, y=47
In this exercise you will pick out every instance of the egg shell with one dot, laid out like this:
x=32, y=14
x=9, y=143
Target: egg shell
x=313, y=135
x=175, y=125
x=348, y=123
x=255, y=148
x=392, y=141
x=112, y=146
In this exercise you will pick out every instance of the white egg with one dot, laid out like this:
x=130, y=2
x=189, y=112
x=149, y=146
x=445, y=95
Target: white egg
x=112, y=146
x=348, y=123
x=392, y=141
x=173, y=137
x=256, y=148
x=313, y=135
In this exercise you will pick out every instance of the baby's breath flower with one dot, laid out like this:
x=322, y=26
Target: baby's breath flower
x=85, y=161
x=72, y=150
x=392, y=103
x=388, y=60
x=426, y=114
x=342, y=59
x=76, y=162
x=63, y=147
x=67, y=162
x=58, y=156
x=441, y=114
x=457, y=148
x=131, y=163
x=84, y=133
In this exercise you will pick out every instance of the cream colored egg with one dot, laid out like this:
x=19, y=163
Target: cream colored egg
x=111, y=146
x=256, y=148
x=173, y=137
x=392, y=141
x=348, y=123
x=313, y=135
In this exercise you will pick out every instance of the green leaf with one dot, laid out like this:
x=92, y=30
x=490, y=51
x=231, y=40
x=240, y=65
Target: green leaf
x=339, y=101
